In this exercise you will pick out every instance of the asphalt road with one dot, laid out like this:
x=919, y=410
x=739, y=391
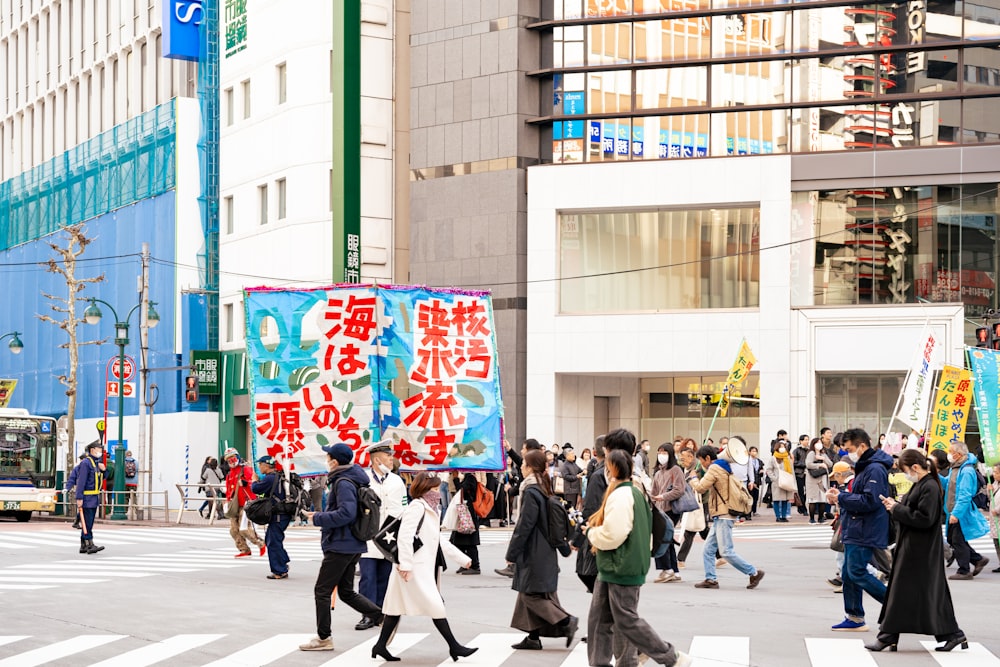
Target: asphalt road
x=174, y=595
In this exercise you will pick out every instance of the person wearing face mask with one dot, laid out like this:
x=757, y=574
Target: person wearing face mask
x=965, y=521
x=917, y=599
x=375, y=569
x=818, y=467
x=668, y=485
x=864, y=525
x=414, y=583
x=781, y=499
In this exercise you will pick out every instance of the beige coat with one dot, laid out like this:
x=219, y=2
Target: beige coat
x=715, y=480
x=420, y=595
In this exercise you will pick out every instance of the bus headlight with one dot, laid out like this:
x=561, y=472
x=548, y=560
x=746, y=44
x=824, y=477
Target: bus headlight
x=46, y=499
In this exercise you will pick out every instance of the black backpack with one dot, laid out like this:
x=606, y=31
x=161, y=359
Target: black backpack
x=981, y=499
x=557, y=524
x=368, y=521
x=296, y=497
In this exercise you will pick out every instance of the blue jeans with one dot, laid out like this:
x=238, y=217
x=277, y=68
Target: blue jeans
x=782, y=508
x=374, y=578
x=274, y=539
x=721, y=537
x=857, y=579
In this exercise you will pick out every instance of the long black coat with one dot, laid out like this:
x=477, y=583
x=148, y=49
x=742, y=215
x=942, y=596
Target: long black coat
x=468, y=487
x=536, y=566
x=918, y=600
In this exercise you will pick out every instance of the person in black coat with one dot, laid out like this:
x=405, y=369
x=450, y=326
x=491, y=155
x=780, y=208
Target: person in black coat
x=597, y=484
x=468, y=544
x=917, y=598
x=536, y=566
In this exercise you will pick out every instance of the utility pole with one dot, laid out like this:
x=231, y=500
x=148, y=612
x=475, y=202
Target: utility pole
x=142, y=455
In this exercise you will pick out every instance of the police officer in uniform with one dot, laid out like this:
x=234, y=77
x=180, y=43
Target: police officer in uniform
x=89, y=483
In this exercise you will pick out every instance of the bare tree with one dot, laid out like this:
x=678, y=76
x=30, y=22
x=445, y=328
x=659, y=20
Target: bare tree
x=76, y=243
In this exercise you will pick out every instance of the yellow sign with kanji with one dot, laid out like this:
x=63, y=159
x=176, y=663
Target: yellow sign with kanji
x=952, y=404
x=738, y=374
x=6, y=390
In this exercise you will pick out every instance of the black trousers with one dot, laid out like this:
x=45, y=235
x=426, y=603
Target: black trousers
x=964, y=553
x=337, y=571
x=801, y=483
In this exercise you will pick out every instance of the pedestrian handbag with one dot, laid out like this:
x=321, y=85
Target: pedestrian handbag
x=450, y=521
x=835, y=543
x=786, y=481
x=261, y=509
x=694, y=521
x=232, y=510
x=464, y=523
x=818, y=472
x=688, y=502
x=386, y=540
x=559, y=485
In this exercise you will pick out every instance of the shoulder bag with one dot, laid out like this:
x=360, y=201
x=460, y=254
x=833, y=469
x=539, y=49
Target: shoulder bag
x=261, y=509
x=686, y=503
x=786, y=480
x=464, y=523
x=386, y=540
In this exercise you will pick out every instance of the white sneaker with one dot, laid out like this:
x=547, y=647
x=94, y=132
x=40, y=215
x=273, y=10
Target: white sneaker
x=664, y=576
x=683, y=660
x=317, y=644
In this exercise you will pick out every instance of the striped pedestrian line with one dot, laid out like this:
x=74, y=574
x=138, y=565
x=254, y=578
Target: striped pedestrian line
x=66, y=537
x=494, y=651
x=820, y=534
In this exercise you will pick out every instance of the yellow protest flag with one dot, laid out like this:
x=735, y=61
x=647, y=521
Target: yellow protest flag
x=745, y=361
x=952, y=403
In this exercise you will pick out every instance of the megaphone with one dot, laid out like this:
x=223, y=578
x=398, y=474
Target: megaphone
x=736, y=451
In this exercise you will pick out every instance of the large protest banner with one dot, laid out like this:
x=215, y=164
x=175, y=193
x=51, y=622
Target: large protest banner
x=914, y=402
x=359, y=363
x=985, y=365
x=952, y=404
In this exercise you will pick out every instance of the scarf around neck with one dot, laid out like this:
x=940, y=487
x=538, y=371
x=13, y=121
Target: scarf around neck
x=785, y=460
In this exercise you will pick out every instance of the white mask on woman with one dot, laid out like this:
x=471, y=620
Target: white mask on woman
x=663, y=459
x=781, y=449
x=912, y=477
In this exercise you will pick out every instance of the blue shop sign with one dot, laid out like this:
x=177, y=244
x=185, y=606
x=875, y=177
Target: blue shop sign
x=181, y=21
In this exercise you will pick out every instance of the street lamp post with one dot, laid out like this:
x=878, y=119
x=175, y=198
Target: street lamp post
x=15, y=345
x=93, y=315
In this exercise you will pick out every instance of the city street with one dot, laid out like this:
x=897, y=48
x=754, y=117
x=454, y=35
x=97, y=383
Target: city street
x=175, y=595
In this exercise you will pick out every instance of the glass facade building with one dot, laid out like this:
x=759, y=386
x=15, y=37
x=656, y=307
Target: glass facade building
x=668, y=79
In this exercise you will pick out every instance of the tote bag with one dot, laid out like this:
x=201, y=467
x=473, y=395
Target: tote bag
x=686, y=503
x=786, y=481
x=451, y=515
x=694, y=521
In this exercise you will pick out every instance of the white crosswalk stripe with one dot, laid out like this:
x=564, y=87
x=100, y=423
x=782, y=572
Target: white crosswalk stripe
x=64, y=536
x=820, y=534
x=494, y=651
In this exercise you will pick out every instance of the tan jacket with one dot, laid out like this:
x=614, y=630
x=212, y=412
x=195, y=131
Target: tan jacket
x=715, y=480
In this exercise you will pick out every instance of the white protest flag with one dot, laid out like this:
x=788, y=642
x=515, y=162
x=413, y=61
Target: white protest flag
x=914, y=403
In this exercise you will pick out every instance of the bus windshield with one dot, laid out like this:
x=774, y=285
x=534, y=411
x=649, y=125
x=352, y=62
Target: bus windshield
x=27, y=447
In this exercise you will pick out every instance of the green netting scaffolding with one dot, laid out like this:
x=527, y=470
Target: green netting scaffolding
x=128, y=163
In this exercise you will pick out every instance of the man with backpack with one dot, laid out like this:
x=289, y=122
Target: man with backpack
x=965, y=521
x=350, y=520
x=272, y=485
x=728, y=499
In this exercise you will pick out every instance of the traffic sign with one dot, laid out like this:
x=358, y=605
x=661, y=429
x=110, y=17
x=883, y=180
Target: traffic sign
x=129, y=368
x=128, y=388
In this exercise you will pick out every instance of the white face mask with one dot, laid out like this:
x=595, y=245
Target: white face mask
x=781, y=449
x=952, y=458
x=911, y=477
x=819, y=447
x=663, y=458
x=854, y=456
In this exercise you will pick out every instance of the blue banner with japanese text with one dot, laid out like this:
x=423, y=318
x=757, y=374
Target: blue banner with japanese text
x=360, y=363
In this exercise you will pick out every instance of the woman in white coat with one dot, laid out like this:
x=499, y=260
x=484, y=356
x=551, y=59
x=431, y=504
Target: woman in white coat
x=413, y=585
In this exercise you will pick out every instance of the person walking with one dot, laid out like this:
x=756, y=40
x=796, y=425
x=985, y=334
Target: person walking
x=212, y=478
x=917, y=599
x=391, y=490
x=620, y=533
x=720, y=535
x=691, y=522
x=537, y=610
x=341, y=549
x=468, y=543
x=864, y=525
x=597, y=484
x=89, y=482
x=965, y=521
x=414, y=582
x=818, y=466
x=272, y=485
x=238, y=491
x=668, y=485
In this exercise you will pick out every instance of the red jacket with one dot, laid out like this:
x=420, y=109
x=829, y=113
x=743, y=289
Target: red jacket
x=234, y=480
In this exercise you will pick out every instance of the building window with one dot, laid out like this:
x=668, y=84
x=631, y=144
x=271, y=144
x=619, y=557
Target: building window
x=282, y=83
x=280, y=183
x=262, y=203
x=227, y=204
x=858, y=401
x=245, y=89
x=227, y=311
x=651, y=260
x=230, y=111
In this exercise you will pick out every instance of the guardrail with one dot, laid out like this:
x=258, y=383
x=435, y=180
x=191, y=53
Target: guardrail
x=69, y=507
x=214, y=503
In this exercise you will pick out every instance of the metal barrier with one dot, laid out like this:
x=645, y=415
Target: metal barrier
x=218, y=499
x=69, y=507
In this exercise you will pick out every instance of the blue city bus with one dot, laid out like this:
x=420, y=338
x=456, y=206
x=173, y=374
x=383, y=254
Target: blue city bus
x=27, y=464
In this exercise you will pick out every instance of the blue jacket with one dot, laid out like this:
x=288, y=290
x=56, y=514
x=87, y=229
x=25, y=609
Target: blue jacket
x=864, y=521
x=342, y=510
x=969, y=517
x=88, y=482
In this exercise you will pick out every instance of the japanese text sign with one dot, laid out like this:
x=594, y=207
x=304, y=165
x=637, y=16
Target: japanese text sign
x=951, y=408
x=985, y=365
x=738, y=374
x=208, y=368
x=911, y=412
x=358, y=363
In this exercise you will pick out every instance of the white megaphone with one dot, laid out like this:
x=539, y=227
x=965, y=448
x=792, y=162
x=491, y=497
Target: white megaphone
x=736, y=451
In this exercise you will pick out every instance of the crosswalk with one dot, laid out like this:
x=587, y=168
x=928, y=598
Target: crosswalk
x=820, y=534
x=222, y=650
x=63, y=536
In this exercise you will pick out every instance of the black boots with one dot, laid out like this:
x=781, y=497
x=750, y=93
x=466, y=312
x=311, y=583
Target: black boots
x=389, y=624
x=455, y=650
x=88, y=547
